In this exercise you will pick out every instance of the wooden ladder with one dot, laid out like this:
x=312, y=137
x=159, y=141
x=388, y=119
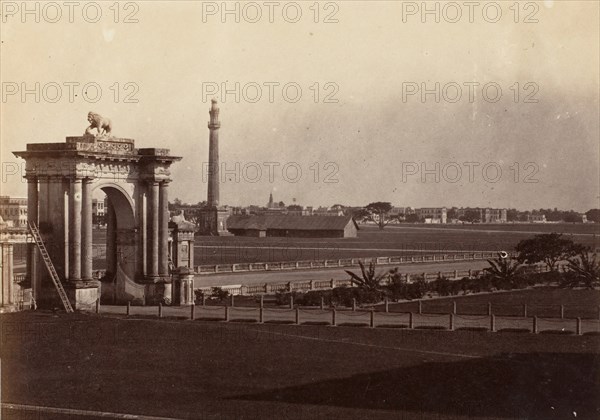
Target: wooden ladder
x=53, y=274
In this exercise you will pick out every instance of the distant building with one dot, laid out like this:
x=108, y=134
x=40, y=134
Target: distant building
x=14, y=211
x=324, y=211
x=293, y=226
x=486, y=214
x=536, y=218
x=432, y=214
x=98, y=207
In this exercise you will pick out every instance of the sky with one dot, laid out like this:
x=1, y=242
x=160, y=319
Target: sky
x=322, y=103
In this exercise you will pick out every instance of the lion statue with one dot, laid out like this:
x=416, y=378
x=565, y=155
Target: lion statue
x=103, y=125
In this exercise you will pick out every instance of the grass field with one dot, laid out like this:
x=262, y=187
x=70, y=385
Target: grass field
x=543, y=302
x=194, y=369
x=396, y=240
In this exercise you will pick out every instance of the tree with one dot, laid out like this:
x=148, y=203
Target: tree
x=593, y=215
x=549, y=248
x=378, y=212
x=470, y=216
x=504, y=271
x=512, y=215
x=585, y=270
x=452, y=213
x=370, y=281
x=412, y=218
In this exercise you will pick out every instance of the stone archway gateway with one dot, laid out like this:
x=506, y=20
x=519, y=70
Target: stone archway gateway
x=61, y=178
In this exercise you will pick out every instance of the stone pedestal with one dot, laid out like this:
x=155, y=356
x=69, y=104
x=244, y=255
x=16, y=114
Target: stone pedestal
x=183, y=287
x=83, y=295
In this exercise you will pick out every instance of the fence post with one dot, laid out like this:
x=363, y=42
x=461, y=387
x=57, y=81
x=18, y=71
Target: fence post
x=535, y=325
x=492, y=323
x=454, y=307
x=451, y=322
x=410, y=320
x=261, y=315
x=578, y=326
x=489, y=308
x=524, y=310
x=203, y=299
x=425, y=276
x=354, y=304
x=232, y=301
x=372, y=323
x=98, y=305
x=332, y=283
x=192, y=310
x=420, y=307
x=128, y=308
x=408, y=278
x=297, y=316
x=562, y=311
x=291, y=301
x=226, y=313
x=160, y=310
x=333, y=316
x=312, y=284
x=387, y=305
x=262, y=301
x=455, y=274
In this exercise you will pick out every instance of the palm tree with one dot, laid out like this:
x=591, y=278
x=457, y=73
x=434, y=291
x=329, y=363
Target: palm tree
x=586, y=269
x=370, y=281
x=505, y=270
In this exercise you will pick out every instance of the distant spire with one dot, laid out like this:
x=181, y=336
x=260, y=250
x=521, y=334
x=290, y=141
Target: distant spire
x=271, y=204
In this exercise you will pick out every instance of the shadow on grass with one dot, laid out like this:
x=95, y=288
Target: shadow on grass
x=533, y=385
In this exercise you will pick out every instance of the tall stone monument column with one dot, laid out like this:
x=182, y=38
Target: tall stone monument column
x=213, y=155
x=213, y=217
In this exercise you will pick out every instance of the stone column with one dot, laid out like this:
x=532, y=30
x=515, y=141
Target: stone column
x=111, y=238
x=7, y=274
x=86, y=231
x=32, y=217
x=163, y=236
x=42, y=271
x=142, y=233
x=154, y=226
x=75, y=230
x=65, y=195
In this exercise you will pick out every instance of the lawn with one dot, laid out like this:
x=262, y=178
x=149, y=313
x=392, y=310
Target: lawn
x=400, y=240
x=195, y=369
x=540, y=301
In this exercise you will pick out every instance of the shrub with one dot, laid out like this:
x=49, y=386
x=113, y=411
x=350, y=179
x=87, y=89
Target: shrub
x=198, y=296
x=342, y=296
x=417, y=289
x=441, y=286
x=219, y=294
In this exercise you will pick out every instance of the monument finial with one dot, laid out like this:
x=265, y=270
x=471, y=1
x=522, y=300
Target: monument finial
x=214, y=122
